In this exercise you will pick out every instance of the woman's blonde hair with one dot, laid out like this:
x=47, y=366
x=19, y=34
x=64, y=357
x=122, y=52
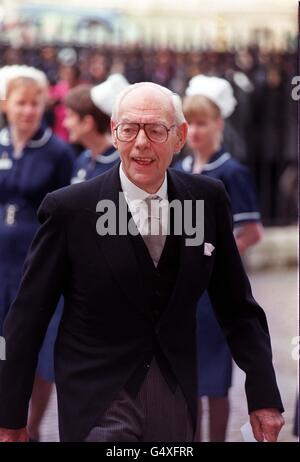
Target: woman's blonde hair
x=199, y=105
x=17, y=82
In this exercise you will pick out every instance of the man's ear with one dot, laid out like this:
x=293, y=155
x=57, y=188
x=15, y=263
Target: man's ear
x=113, y=133
x=182, y=132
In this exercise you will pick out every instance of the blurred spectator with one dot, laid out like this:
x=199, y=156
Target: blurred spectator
x=163, y=70
x=268, y=136
x=98, y=68
x=88, y=122
x=135, y=66
x=69, y=77
x=49, y=63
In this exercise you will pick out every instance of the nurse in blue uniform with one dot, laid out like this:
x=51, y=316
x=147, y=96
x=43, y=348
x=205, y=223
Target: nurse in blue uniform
x=208, y=101
x=88, y=112
x=33, y=162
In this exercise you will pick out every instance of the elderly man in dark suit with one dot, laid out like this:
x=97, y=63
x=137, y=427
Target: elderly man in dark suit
x=125, y=352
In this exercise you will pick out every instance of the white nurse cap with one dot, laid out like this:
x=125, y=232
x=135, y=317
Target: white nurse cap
x=8, y=73
x=104, y=94
x=218, y=90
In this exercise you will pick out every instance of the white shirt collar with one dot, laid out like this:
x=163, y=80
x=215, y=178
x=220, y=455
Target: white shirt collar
x=133, y=192
x=135, y=198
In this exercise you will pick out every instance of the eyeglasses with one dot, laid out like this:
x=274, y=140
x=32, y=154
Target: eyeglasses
x=157, y=133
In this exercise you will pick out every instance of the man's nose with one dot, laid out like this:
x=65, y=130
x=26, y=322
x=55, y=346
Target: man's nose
x=142, y=139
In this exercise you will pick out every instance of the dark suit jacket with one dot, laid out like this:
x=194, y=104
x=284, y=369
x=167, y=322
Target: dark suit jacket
x=106, y=330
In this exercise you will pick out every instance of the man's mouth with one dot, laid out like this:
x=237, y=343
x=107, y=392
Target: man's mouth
x=143, y=160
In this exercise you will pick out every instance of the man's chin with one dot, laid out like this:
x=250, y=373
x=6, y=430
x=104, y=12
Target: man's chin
x=144, y=171
x=144, y=181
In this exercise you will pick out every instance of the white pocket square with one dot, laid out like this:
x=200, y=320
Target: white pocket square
x=208, y=249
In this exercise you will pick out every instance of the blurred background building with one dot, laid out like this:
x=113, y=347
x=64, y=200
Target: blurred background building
x=194, y=23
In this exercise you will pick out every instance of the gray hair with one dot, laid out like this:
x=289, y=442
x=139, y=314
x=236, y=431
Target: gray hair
x=174, y=98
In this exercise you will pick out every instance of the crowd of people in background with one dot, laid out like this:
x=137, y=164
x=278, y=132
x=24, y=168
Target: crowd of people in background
x=261, y=133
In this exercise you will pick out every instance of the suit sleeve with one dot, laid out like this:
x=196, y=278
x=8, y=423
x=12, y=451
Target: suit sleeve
x=241, y=318
x=28, y=318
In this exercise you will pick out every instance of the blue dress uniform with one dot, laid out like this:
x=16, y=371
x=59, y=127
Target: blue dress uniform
x=44, y=165
x=86, y=167
x=214, y=358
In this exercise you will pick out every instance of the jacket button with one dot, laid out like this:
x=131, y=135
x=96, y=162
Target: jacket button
x=146, y=365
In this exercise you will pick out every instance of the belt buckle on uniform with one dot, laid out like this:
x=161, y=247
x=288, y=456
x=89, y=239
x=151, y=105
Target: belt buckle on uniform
x=10, y=215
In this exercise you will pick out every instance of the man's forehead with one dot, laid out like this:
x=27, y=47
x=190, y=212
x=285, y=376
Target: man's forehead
x=146, y=97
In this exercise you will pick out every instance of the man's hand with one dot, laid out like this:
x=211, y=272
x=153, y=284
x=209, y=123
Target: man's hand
x=13, y=436
x=266, y=424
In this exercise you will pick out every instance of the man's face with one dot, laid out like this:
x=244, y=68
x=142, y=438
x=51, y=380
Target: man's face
x=145, y=162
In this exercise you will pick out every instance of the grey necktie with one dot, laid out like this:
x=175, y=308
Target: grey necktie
x=155, y=239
